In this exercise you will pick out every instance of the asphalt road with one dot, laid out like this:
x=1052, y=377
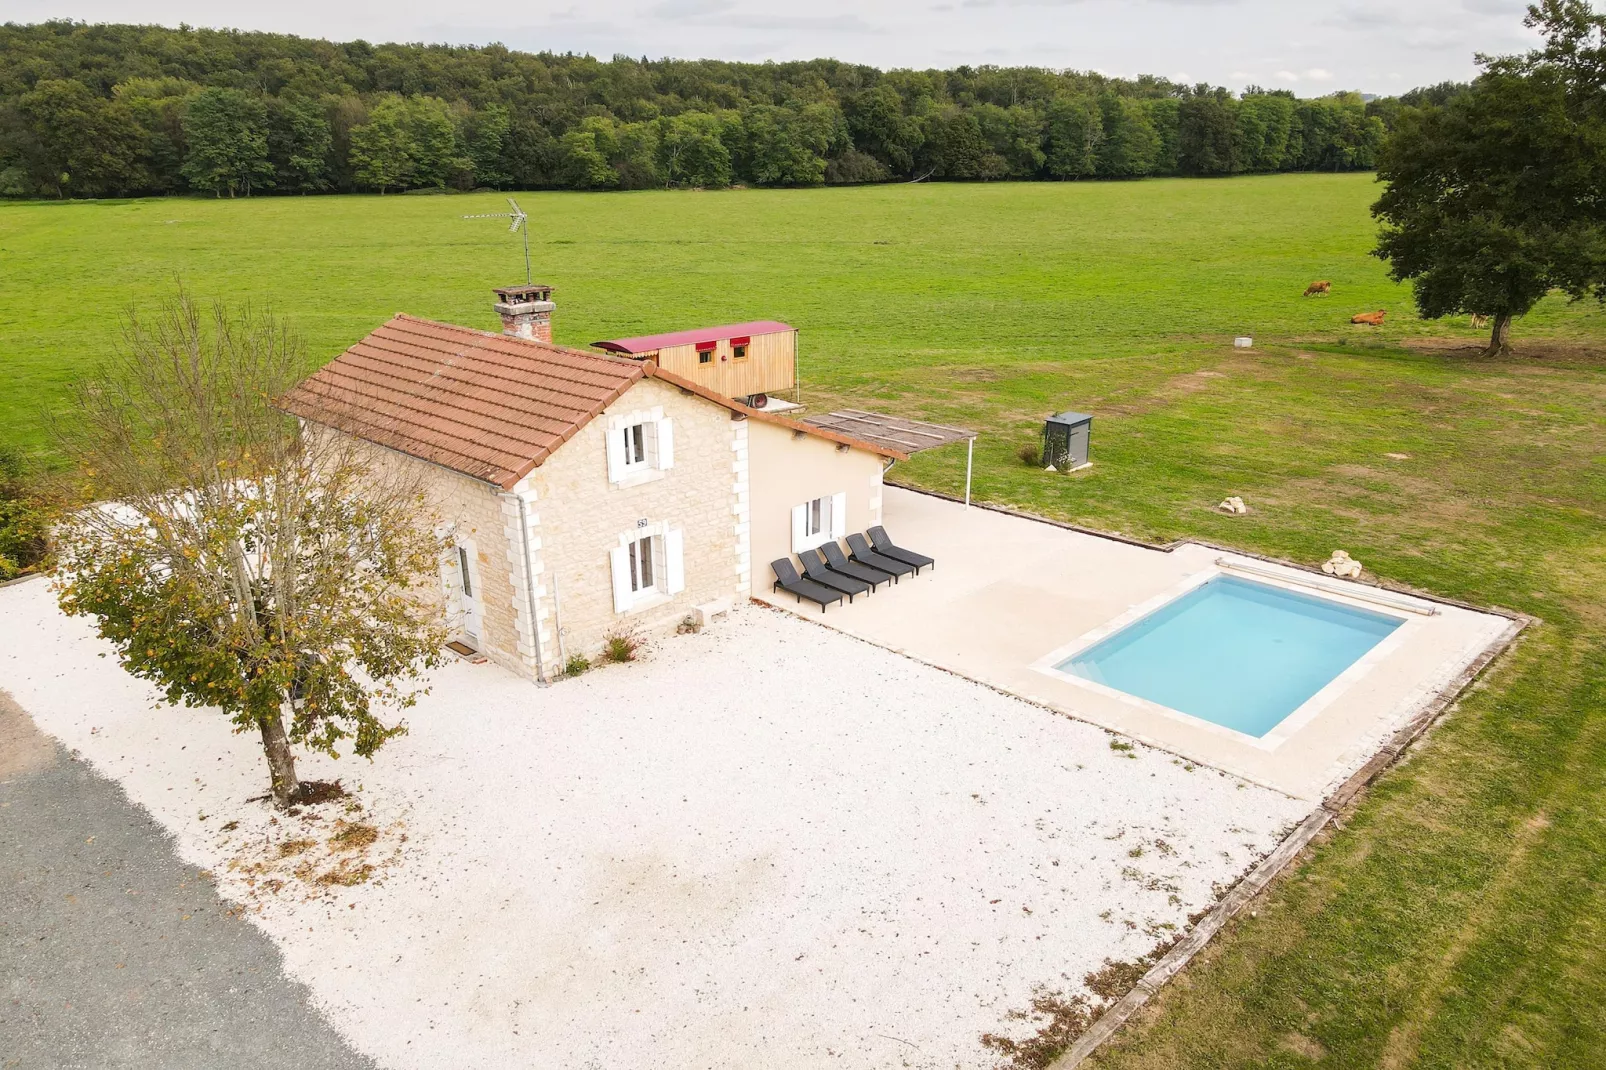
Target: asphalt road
x=113, y=952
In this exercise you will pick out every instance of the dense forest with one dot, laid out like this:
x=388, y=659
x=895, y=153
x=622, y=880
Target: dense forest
x=119, y=110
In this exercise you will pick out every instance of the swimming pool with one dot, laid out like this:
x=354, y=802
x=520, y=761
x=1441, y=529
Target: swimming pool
x=1233, y=652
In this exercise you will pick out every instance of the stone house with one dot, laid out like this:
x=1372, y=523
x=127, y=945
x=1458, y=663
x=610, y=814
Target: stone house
x=587, y=494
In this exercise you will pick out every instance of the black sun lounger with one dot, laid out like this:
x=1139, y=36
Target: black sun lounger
x=822, y=575
x=887, y=548
x=865, y=556
x=787, y=579
x=838, y=562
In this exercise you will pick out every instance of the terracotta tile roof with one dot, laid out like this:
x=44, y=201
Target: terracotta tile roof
x=486, y=405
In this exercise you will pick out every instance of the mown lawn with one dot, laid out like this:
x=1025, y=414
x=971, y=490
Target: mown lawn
x=1459, y=917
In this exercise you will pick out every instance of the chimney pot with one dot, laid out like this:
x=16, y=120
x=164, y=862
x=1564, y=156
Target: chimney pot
x=526, y=311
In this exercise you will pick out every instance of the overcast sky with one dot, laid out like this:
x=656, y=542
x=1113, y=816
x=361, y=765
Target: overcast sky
x=1309, y=46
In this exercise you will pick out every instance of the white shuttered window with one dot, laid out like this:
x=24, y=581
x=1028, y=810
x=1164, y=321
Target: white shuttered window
x=648, y=565
x=639, y=446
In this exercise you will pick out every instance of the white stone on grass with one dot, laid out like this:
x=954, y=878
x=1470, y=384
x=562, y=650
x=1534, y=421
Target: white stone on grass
x=767, y=844
x=1342, y=565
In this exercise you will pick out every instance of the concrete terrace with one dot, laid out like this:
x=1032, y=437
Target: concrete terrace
x=1010, y=597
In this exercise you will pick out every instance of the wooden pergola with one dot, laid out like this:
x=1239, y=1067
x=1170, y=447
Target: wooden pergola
x=895, y=432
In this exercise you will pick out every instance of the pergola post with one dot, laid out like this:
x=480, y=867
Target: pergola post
x=970, y=457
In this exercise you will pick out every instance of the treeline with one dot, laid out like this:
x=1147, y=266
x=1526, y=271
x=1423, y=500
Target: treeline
x=118, y=110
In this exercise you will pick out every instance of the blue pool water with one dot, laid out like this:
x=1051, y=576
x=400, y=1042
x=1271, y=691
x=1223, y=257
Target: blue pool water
x=1240, y=654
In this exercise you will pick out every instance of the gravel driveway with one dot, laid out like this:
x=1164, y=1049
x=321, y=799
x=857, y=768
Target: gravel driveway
x=766, y=845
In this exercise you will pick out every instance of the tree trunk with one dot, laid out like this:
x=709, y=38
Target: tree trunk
x=281, y=761
x=1500, y=336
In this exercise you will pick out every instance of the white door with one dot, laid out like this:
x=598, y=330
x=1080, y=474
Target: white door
x=468, y=596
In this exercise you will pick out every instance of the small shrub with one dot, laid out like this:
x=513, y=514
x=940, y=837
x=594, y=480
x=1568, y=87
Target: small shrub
x=1031, y=455
x=577, y=664
x=1121, y=746
x=620, y=647
x=24, y=521
x=854, y=167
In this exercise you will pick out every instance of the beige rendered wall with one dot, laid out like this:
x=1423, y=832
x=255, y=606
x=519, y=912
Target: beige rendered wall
x=577, y=517
x=788, y=469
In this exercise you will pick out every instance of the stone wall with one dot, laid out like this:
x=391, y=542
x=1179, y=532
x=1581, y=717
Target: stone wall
x=473, y=514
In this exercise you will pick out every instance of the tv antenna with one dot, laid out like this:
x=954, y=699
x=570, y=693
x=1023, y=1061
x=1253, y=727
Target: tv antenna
x=519, y=219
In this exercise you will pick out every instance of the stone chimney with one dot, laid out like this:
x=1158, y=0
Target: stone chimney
x=526, y=311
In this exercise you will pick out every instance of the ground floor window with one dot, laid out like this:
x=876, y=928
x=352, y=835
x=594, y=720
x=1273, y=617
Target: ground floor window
x=649, y=566
x=819, y=521
x=640, y=553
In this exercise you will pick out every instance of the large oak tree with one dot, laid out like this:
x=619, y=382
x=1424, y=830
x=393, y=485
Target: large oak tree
x=1498, y=196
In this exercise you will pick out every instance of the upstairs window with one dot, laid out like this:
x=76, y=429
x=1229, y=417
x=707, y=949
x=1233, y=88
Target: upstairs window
x=633, y=447
x=640, y=446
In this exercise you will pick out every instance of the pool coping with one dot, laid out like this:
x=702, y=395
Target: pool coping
x=1332, y=807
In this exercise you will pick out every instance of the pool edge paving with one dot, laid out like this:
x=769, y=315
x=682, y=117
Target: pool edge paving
x=1013, y=595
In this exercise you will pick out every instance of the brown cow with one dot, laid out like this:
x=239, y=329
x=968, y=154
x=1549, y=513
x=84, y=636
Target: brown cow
x=1370, y=319
x=1319, y=289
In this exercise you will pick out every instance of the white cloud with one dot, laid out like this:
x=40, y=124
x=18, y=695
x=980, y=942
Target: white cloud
x=1218, y=41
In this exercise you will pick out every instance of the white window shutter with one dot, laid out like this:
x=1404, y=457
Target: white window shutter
x=800, y=521
x=616, y=456
x=675, y=559
x=619, y=559
x=666, y=444
x=839, y=515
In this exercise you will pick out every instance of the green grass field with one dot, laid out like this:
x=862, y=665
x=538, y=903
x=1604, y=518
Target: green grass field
x=1459, y=918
